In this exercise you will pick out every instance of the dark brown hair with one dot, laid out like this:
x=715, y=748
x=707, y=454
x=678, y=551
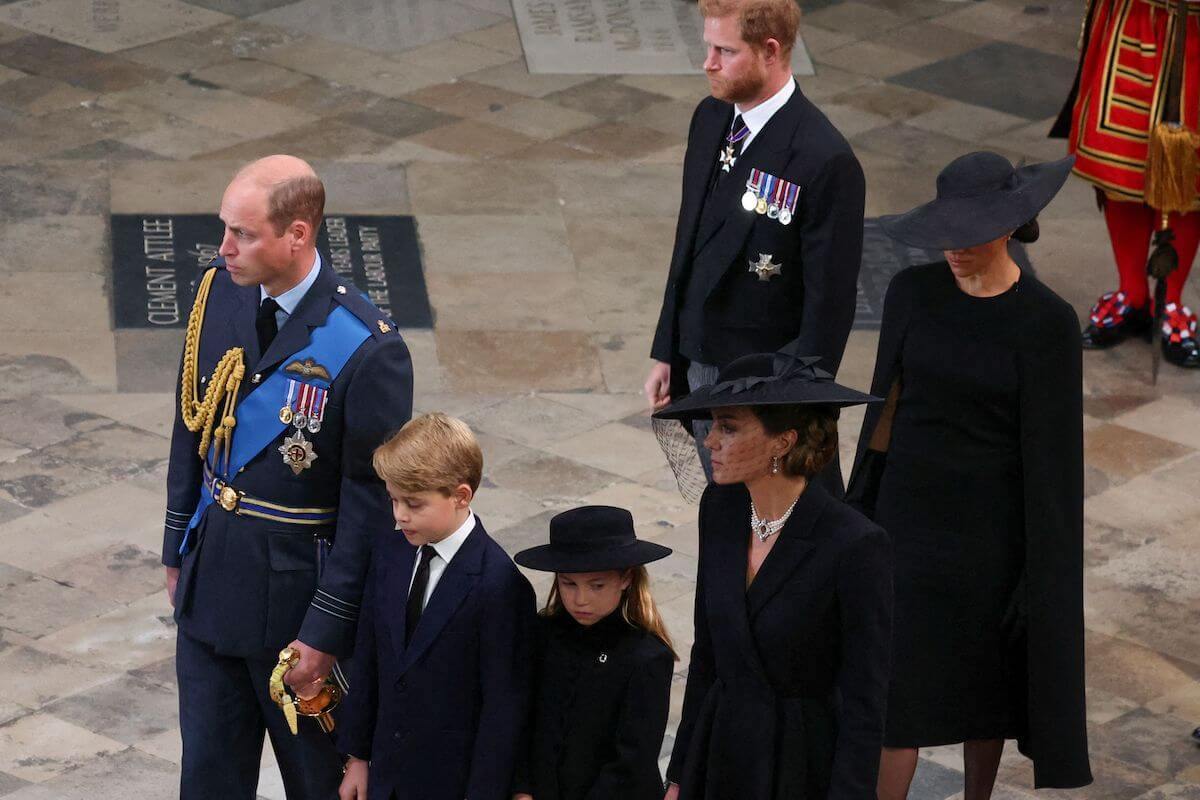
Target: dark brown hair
x=816, y=435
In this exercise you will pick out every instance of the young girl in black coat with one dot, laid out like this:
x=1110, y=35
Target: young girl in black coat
x=603, y=672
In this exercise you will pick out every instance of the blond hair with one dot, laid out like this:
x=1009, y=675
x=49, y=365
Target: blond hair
x=637, y=606
x=432, y=452
x=759, y=20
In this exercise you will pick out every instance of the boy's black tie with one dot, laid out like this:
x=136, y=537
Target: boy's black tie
x=416, y=595
x=265, y=324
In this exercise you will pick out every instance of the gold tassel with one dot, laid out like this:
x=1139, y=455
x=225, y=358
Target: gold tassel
x=1172, y=167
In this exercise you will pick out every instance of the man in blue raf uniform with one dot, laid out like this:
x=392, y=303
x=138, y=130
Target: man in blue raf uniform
x=769, y=238
x=290, y=379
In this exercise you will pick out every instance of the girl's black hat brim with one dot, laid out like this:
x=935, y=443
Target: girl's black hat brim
x=552, y=558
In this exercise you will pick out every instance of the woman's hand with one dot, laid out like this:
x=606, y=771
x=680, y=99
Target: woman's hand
x=354, y=782
x=672, y=792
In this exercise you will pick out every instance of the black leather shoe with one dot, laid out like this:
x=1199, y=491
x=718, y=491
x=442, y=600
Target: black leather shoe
x=1135, y=322
x=1182, y=354
x=1196, y=735
x=1179, y=344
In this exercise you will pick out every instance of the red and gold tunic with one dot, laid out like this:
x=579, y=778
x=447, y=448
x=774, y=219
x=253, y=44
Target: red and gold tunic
x=1122, y=80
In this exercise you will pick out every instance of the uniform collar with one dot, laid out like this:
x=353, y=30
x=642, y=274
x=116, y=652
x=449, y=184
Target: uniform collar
x=757, y=117
x=292, y=297
x=448, y=547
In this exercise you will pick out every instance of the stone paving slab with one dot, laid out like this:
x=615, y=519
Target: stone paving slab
x=546, y=205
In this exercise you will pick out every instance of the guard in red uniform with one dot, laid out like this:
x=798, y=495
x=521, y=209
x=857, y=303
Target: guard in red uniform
x=1137, y=97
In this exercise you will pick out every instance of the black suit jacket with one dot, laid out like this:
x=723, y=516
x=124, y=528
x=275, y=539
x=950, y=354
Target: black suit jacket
x=600, y=709
x=788, y=680
x=249, y=586
x=813, y=299
x=441, y=717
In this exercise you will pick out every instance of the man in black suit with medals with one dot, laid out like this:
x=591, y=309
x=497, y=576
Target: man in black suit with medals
x=290, y=379
x=769, y=238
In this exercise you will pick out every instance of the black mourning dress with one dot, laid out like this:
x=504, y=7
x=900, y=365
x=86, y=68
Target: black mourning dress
x=981, y=492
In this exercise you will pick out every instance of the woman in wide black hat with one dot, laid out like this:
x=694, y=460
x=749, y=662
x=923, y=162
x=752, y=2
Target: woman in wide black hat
x=788, y=674
x=974, y=466
x=604, y=666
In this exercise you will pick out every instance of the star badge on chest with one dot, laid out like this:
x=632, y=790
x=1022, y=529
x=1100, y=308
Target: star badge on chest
x=765, y=268
x=297, y=452
x=728, y=159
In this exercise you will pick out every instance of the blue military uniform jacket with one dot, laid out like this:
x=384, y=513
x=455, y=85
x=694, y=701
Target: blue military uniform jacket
x=250, y=584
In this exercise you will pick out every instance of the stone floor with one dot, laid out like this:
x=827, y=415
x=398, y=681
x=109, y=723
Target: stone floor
x=545, y=206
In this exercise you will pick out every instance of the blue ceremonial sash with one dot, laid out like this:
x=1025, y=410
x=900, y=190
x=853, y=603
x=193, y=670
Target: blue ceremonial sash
x=258, y=423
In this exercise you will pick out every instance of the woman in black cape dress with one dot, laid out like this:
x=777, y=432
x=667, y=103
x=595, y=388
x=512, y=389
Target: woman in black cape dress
x=974, y=466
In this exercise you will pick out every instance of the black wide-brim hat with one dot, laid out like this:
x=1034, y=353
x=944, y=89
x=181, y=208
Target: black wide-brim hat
x=591, y=539
x=766, y=379
x=980, y=197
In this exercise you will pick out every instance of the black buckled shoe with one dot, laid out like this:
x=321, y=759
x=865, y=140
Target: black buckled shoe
x=1179, y=344
x=1112, y=321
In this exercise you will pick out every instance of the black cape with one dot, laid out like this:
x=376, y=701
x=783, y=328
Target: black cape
x=1051, y=449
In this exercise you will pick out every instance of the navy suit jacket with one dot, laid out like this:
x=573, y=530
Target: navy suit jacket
x=440, y=717
x=249, y=586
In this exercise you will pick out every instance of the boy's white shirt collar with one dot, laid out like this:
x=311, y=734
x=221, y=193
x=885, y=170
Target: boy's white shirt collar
x=448, y=547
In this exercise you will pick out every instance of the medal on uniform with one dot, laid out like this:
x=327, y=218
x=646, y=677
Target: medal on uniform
x=317, y=414
x=776, y=199
x=728, y=155
x=765, y=268
x=285, y=413
x=753, y=187
x=297, y=452
x=788, y=212
x=768, y=184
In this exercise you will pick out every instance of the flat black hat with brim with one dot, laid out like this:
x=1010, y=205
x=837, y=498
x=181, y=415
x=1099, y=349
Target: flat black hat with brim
x=591, y=539
x=980, y=197
x=766, y=379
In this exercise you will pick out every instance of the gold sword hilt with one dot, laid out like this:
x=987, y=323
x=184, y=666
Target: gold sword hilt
x=318, y=706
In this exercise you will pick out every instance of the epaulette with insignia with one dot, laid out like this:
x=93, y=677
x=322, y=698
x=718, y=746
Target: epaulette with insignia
x=367, y=312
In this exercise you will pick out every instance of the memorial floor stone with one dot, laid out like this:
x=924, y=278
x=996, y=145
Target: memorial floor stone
x=647, y=37
x=108, y=25
x=383, y=25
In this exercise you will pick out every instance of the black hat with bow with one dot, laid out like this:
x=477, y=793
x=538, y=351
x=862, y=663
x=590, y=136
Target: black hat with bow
x=765, y=379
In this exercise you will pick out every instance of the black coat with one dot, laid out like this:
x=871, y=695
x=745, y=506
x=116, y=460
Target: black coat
x=248, y=586
x=600, y=710
x=1043, y=355
x=788, y=679
x=813, y=298
x=440, y=717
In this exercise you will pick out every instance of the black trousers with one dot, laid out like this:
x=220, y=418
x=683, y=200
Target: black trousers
x=224, y=710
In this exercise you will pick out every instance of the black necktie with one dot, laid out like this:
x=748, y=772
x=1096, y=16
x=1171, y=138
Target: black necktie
x=265, y=324
x=416, y=595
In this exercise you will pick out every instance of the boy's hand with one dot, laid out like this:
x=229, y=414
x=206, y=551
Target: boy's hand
x=354, y=782
x=672, y=792
x=313, y=666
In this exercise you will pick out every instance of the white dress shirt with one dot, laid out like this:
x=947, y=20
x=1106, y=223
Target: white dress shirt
x=292, y=297
x=757, y=118
x=444, y=550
